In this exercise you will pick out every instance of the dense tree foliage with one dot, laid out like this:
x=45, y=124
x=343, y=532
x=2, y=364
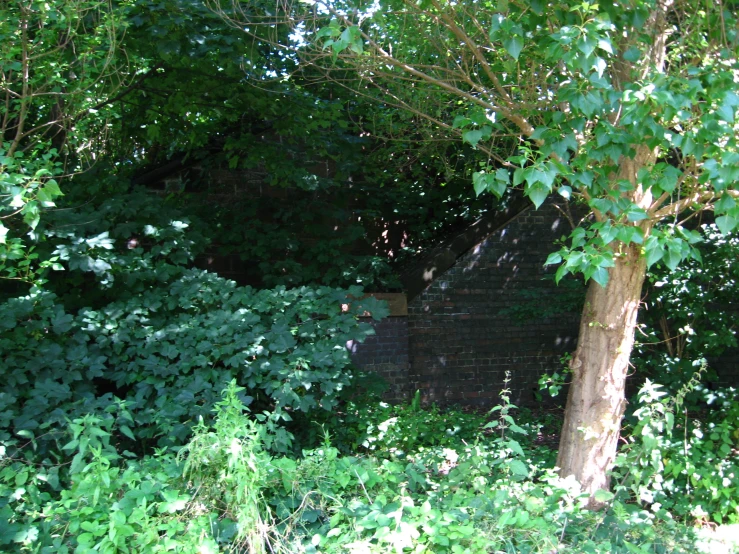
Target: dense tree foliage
x=690, y=315
x=62, y=63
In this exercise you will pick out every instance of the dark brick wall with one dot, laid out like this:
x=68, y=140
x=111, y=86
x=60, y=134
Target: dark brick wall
x=727, y=368
x=464, y=331
x=386, y=354
x=463, y=336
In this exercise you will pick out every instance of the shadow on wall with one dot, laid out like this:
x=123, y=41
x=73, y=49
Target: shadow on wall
x=478, y=313
x=496, y=309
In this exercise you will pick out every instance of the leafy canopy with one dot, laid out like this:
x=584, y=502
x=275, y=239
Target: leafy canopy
x=628, y=108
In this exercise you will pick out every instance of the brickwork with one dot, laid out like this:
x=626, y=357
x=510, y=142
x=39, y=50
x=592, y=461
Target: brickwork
x=386, y=354
x=462, y=336
x=727, y=367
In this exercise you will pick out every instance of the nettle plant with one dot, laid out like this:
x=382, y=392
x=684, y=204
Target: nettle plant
x=684, y=465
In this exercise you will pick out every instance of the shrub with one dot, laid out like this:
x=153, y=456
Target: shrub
x=682, y=465
x=691, y=313
x=371, y=426
x=226, y=493
x=168, y=351
x=100, y=502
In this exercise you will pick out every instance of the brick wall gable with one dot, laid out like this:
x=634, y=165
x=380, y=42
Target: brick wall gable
x=463, y=334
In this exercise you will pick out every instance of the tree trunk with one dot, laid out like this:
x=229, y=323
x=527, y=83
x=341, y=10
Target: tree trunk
x=596, y=400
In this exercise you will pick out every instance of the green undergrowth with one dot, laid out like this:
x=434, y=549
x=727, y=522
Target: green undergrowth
x=485, y=490
x=680, y=465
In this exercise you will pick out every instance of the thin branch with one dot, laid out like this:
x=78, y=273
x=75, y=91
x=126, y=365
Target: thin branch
x=679, y=206
x=25, y=86
x=475, y=50
x=123, y=93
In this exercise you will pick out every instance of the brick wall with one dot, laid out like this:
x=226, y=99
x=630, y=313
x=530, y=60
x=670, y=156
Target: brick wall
x=386, y=354
x=462, y=334
x=727, y=368
x=463, y=331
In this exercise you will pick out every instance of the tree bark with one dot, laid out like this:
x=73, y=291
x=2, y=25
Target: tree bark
x=600, y=364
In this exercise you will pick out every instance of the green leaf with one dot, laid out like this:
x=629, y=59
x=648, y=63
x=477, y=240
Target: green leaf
x=126, y=430
x=629, y=234
x=496, y=24
x=604, y=43
x=338, y=47
x=502, y=175
x=473, y=137
x=553, y=258
x=539, y=132
x=632, y=55
x=546, y=175
x=669, y=179
x=52, y=188
x=497, y=187
x=478, y=116
x=635, y=213
x=672, y=258
x=330, y=31
x=174, y=502
x=561, y=272
x=461, y=121
x=537, y=193
x=600, y=276
x=351, y=36
x=513, y=46
x=514, y=445
x=654, y=251
x=282, y=342
x=586, y=45
x=519, y=175
x=602, y=495
x=725, y=203
x=480, y=182
x=585, y=178
x=518, y=468
x=608, y=232
x=603, y=205
x=726, y=223
x=357, y=47
x=726, y=113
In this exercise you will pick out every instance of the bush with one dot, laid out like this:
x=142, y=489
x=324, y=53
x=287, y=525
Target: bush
x=167, y=352
x=225, y=493
x=159, y=339
x=682, y=465
x=369, y=425
x=691, y=313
